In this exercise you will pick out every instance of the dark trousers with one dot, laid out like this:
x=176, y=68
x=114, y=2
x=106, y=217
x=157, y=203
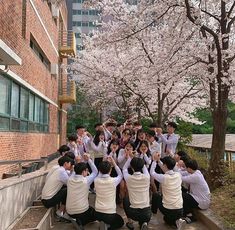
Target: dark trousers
x=59, y=197
x=169, y=215
x=85, y=217
x=114, y=220
x=189, y=203
x=138, y=214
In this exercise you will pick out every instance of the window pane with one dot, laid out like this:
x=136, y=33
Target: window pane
x=24, y=126
x=24, y=103
x=46, y=114
x=15, y=124
x=31, y=107
x=4, y=123
x=37, y=110
x=4, y=95
x=15, y=100
x=41, y=111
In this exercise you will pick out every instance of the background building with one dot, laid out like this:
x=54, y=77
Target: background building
x=34, y=42
x=81, y=20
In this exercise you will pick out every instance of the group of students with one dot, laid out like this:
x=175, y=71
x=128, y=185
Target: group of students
x=128, y=166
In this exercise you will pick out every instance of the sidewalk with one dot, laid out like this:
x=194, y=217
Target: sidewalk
x=155, y=223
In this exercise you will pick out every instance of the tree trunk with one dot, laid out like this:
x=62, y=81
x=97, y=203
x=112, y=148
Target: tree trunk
x=217, y=168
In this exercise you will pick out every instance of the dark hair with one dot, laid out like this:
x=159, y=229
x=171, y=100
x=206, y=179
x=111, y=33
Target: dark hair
x=97, y=124
x=124, y=130
x=80, y=167
x=64, y=159
x=80, y=127
x=104, y=167
x=131, y=143
x=152, y=134
x=192, y=164
x=119, y=124
x=169, y=162
x=137, y=140
x=172, y=124
x=137, y=164
x=136, y=123
x=145, y=143
x=153, y=125
x=73, y=137
x=63, y=148
x=116, y=132
x=181, y=153
x=114, y=142
x=97, y=137
x=110, y=124
x=185, y=158
x=71, y=156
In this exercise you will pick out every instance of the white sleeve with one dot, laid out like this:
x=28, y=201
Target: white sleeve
x=158, y=177
x=93, y=174
x=125, y=168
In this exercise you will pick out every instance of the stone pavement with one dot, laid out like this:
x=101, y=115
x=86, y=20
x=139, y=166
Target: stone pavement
x=155, y=223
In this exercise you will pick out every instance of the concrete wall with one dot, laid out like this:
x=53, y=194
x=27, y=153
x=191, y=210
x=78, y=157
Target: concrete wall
x=16, y=194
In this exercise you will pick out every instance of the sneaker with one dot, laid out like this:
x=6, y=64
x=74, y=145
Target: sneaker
x=66, y=216
x=59, y=214
x=103, y=226
x=189, y=219
x=180, y=224
x=144, y=226
x=130, y=225
x=76, y=225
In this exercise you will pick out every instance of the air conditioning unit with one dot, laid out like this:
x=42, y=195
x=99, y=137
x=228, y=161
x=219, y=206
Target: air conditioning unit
x=55, y=11
x=54, y=69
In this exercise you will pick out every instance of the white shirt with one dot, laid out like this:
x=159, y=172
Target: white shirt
x=99, y=150
x=138, y=186
x=121, y=158
x=199, y=189
x=78, y=191
x=105, y=186
x=171, y=187
x=55, y=179
x=171, y=140
x=154, y=147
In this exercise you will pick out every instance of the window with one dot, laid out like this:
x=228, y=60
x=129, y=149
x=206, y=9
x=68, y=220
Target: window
x=78, y=35
x=15, y=96
x=84, y=24
x=4, y=95
x=39, y=52
x=24, y=103
x=85, y=12
x=20, y=109
x=77, y=23
x=91, y=24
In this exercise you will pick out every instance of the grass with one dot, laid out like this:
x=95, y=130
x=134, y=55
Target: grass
x=223, y=204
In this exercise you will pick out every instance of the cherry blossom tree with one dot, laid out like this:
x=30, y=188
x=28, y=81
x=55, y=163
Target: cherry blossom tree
x=164, y=57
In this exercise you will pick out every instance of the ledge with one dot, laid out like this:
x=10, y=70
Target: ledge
x=209, y=219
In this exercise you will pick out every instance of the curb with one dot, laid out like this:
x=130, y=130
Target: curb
x=209, y=219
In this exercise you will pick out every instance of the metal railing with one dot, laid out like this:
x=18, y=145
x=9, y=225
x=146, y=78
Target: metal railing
x=68, y=92
x=20, y=162
x=67, y=43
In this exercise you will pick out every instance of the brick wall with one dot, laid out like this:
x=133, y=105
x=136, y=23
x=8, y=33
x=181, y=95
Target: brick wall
x=16, y=145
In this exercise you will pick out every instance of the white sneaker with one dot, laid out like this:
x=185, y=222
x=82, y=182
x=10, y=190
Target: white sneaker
x=66, y=216
x=59, y=213
x=180, y=224
x=144, y=226
x=103, y=226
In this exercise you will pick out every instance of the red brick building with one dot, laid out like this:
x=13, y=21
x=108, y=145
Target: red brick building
x=34, y=42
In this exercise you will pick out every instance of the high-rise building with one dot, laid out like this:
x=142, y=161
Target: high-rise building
x=81, y=20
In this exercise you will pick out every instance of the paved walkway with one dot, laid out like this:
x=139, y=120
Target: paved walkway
x=205, y=140
x=155, y=223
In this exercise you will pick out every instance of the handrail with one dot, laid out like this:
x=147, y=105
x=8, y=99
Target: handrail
x=44, y=159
